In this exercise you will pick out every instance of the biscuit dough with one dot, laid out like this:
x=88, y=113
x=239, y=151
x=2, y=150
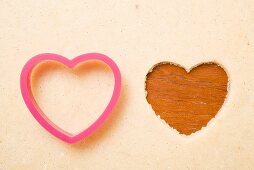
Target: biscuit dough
x=136, y=34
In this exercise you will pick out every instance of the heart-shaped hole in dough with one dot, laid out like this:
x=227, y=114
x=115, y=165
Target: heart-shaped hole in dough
x=186, y=101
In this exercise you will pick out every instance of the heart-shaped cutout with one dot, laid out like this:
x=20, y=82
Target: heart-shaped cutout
x=26, y=89
x=186, y=100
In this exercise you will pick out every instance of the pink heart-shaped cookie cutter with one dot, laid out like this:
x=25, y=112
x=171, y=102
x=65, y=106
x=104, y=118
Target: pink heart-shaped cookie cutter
x=28, y=97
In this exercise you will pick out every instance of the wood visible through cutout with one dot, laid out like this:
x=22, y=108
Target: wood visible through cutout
x=186, y=101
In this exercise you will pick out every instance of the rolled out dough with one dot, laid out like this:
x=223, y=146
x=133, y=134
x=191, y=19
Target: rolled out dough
x=136, y=34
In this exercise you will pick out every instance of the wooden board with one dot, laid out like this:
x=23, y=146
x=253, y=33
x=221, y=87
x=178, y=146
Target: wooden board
x=186, y=101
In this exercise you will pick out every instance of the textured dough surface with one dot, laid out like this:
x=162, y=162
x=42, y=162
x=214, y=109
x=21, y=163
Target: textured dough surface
x=137, y=35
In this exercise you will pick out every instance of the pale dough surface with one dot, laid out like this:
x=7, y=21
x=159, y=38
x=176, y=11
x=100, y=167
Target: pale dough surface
x=136, y=35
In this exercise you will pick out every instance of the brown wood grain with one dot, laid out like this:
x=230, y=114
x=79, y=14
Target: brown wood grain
x=186, y=101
